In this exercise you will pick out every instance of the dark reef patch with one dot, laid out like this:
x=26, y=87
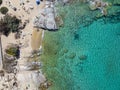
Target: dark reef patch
x=76, y=36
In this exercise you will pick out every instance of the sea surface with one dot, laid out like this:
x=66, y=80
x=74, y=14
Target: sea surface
x=85, y=53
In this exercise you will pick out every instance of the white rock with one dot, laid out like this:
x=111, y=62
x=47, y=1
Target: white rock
x=66, y=1
x=46, y=18
x=92, y=5
x=31, y=77
x=38, y=78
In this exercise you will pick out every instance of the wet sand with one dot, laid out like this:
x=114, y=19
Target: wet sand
x=36, y=39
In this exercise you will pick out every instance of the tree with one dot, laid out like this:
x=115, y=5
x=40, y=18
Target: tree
x=3, y=10
x=0, y=2
x=9, y=24
x=3, y=28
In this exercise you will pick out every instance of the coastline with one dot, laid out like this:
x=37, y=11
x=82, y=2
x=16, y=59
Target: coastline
x=68, y=59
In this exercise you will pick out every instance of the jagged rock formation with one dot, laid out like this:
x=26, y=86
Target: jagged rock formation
x=98, y=4
x=47, y=17
x=21, y=74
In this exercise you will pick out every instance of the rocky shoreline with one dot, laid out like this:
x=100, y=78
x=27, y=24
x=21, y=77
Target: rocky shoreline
x=25, y=73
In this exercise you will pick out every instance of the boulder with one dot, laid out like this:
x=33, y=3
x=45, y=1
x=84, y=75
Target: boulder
x=46, y=18
x=83, y=57
x=72, y=56
x=59, y=21
x=92, y=5
x=38, y=78
x=30, y=66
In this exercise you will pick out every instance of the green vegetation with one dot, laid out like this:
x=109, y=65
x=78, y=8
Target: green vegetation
x=11, y=51
x=0, y=2
x=9, y=24
x=4, y=10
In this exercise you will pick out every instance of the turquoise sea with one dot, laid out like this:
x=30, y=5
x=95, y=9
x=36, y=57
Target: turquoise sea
x=85, y=53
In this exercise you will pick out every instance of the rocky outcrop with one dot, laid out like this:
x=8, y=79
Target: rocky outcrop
x=9, y=63
x=47, y=17
x=98, y=4
x=28, y=66
x=21, y=74
x=30, y=79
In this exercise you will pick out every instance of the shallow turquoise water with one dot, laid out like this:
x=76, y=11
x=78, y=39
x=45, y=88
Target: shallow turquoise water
x=99, y=41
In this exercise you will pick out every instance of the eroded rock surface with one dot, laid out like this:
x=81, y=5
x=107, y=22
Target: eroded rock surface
x=47, y=17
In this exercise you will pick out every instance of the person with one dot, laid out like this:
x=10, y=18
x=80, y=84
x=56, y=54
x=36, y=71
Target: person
x=37, y=2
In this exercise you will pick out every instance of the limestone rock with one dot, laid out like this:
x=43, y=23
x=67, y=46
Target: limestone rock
x=34, y=78
x=99, y=4
x=30, y=66
x=46, y=17
x=92, y=5
x=38, y=78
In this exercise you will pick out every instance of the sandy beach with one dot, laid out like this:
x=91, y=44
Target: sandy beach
x=36, y=39
x=22, y=14
x=30, y=38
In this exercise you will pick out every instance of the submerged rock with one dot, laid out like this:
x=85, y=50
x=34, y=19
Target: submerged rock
x=72, y=55
x=59, y=21
x=45, y=85
x=76, y=36
x=65, y=50
x=83, y=57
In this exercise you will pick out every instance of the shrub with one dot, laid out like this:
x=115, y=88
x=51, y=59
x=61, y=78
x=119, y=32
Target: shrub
x=0, y=2
x=14, y=51
x=11, y=51
x=9, y=24
x=3, y=10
